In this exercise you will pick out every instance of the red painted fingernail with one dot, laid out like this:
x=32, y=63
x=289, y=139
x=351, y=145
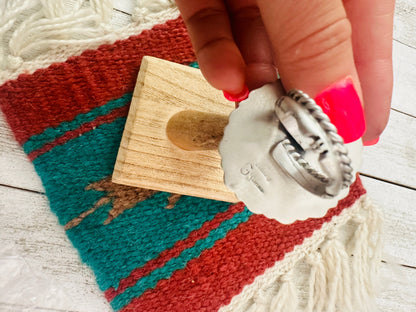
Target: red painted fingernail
x=237, y=97
x=371, y=142
x=340, y=101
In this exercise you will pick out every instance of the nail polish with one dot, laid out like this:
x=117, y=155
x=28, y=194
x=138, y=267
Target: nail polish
x=371, y=142
x=237, y=97
x=340, y=101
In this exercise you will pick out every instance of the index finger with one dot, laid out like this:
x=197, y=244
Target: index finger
x=218, y=55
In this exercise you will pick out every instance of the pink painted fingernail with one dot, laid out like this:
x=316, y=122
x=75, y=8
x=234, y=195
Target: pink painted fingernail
x=371, y=142
x=237, y=97
x=340, y=101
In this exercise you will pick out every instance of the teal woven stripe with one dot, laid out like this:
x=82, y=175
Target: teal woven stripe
x=139, y=234
x=50, y=134
x=151, y=280
x=194, y=65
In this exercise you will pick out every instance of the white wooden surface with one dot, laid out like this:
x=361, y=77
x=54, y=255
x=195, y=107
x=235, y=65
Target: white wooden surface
x=30, y=230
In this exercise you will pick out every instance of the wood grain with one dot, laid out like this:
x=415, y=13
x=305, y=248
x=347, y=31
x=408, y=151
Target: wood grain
x=394, y=157
x=15, y=168
x=397, y=204
x=405, y=22
x=28, y=225
x=147, y=158
x=193, y=130
x=396, y=289
x=404, y=90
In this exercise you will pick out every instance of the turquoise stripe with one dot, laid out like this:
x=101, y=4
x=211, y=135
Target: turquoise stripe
x=136, y=236
x=50, y=134
x=194, y=65
x=151, y=280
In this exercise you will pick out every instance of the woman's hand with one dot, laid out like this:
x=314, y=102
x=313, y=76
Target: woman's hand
x=313, y=43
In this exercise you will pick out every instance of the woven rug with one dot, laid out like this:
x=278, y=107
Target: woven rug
x=66, y=82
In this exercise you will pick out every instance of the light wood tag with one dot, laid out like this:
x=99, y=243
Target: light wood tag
x=147, y=158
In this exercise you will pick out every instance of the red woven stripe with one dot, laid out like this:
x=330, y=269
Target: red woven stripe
x=116, y=113
x=209, y=282
x=60, y=92
x=175, y=251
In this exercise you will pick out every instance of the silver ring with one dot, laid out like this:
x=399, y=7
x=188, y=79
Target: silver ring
x=312, y=153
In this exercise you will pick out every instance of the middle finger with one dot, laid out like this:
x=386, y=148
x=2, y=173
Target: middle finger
x=250, y=35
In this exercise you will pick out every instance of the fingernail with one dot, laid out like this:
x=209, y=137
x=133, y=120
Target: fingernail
x=237, y=97
x=371, y=142
x=340, y=101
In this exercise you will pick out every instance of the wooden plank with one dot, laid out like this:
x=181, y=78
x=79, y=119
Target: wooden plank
x=147, y=158
x=7, y=307
x=405, y=22
x=404, y=90
x=394, y=157
x=28, y=226
x=397, y=204
x=15, y=168
x=120, y=18
x=397, y=289
x=126, y=6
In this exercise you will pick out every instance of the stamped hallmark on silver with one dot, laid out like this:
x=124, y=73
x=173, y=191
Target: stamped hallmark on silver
x=283, y=158
x=256, y=175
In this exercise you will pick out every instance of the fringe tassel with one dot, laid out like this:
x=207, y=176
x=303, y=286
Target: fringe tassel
x=337, y=269
x=262, y=301
x=31, y=27
x=365, y=247
x=145, y=9
x=317, y=283
x=37, y=33
x=282, y=298
x=287, y=297
x=338, y=276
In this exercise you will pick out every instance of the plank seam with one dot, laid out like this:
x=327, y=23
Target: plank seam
x=388, y=181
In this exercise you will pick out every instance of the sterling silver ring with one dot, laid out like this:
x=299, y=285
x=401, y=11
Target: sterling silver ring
x=312, y=152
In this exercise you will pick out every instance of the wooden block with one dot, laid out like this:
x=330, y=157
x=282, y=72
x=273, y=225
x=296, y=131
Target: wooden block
x=147, y=158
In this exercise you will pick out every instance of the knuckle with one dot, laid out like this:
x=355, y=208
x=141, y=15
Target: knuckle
x=205, y=15
x=247, y=13
x=205, y=28
x=216, y=42
x=317, y=47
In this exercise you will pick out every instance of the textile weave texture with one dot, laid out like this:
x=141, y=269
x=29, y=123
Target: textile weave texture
x=154, y=251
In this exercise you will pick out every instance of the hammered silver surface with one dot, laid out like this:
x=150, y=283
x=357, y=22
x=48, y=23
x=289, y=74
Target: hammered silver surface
x=252, y=173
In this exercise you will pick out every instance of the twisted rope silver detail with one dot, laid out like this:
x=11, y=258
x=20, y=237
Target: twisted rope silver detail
x=337, y=142
x=302, y=162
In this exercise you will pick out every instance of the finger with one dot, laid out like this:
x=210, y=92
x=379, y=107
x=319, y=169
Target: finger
x=253, y=42
x=372, y=35
x=218, y=55
x=313, y=50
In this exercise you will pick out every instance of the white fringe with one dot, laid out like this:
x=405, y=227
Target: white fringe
x=47, y=23
x=333, y=270
x=37, y=33
x=286, y=298
x=146, y=9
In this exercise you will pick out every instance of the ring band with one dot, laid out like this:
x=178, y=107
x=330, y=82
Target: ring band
x=313, y=153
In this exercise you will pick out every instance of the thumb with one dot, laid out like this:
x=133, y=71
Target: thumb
x=311, y=40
